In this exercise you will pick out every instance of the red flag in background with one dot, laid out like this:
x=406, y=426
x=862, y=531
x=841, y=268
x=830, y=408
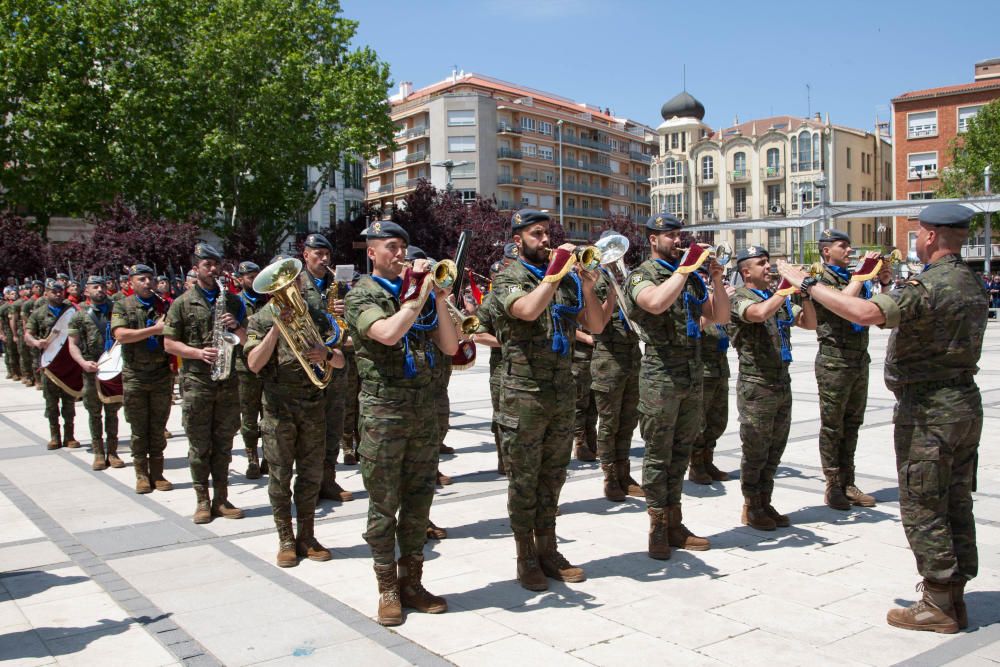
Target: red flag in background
x=474, y=288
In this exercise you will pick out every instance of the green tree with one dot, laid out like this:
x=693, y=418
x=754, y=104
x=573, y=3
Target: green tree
x=971, y=152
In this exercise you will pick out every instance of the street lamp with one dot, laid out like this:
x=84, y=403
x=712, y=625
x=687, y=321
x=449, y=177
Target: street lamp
x=559, y=124
x=820, y=184
x=448, y=166
x=987, y=231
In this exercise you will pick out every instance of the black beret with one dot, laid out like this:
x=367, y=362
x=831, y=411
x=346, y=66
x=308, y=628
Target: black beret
x=55, y=284
x=511, y=251
x=831, y=235
x=62, y=276
x=385, y=229
x=413, y=252
x=496, y=267
x=37, y=283
x=946, y=215
x=95, y=280
x=750, y=252
x=247, y=267
x=663, y=222
x=318, y=241
x=526, y=217
x=204, y=250
x=136, y=269
x=161, y=277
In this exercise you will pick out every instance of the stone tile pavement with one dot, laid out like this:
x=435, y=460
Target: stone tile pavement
x=91, y=573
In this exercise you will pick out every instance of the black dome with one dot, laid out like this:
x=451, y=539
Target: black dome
x=682, y=105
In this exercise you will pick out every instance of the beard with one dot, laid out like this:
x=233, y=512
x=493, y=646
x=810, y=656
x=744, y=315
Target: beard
x=536, y=255
x=99, y=298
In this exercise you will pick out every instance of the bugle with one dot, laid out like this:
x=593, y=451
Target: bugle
x=612, y=249
x=588, y=257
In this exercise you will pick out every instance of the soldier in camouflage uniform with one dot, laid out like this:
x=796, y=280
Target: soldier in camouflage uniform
x=89, y=338
x=17, y=328
x=485, y=335
x=10, y=351
x=668, y=305
x=250, y=385
x=57, y=400
x=137, y=323
x=318, y=282
x=211, y=407
x=29, y=354
x=614, y=370
x=842, y=376
x=762, y=322
x=293, y=428
x=939, y=317
x=585, y=414
x=542, y=302
x=395, y=326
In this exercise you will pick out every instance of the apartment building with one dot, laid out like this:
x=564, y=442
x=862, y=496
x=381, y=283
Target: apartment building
x=487, y=137
x=765, y=169
x=924, y=124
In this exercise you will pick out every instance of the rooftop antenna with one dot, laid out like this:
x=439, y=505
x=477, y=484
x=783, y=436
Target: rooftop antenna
x=808, y=101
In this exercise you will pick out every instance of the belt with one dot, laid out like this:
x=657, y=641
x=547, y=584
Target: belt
x=964, y=378
x=841, y=353
x=395, y=393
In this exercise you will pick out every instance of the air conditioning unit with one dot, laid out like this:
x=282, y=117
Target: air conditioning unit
x=776, y=209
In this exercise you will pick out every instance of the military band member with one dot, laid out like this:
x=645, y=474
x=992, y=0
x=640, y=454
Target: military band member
x=137, y=323
x=211, y=415
x=251, y=389
x=73, y=293
x=541, y=304
x=114, y=288
x=668, y=306
x=318, y=281
x=486, y=335
x=395, y=326
x=762, y=322
x=939, y=319
x=10, y=349
x=293, y=428
x=842, y=376
x=585, y=415
x=17, y=326
x=163, y=288
x=57, y=400
x=29, y=353
x=89, y=338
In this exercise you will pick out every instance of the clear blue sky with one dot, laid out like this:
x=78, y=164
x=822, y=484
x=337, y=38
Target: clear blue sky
x=753, y=59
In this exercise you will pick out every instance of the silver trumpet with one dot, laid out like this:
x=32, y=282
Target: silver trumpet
x=612, y=249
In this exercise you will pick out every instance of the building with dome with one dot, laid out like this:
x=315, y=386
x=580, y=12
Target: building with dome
x=726, y=183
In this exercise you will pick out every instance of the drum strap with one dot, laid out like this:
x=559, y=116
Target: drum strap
x=103, y=325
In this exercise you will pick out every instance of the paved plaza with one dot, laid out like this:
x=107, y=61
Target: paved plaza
x=93, y=574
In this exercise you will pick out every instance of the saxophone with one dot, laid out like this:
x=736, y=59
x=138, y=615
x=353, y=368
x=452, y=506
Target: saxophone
x=223, y=341
x=333, y=295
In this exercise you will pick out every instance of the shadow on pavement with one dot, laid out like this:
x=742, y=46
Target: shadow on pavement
x=25, y=644
x=26, y=583
x=639, y=566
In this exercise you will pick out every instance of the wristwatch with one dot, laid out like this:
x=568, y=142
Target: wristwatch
x=808, y=283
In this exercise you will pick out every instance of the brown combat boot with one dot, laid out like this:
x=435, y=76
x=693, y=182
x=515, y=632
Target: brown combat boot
x=221, y=505
x=286, y=544
x=70, y=440
x=253, y=462
x=441, y=479
x=263, y=465
x=350, y=458
x=780, y=520
x=834, y=496
x=713, y=472
x=435, y=532
x=443, y=449
x=529, y=572
x=934, y=612
x=390, y=610
x=553, y=563
x=696, y=469
x=754, y=514
x=659, y=523
x=625, y=481
x=142, y=484
x=853, y=494
x=679, y=536
x=203, y=510
x=306, y=544
x=330, y=490
x=582, y=452
x=958, y=602
x=156, y=474
x=55, y=436
x=113, y=460
x=412, y=593
x=100, y=459
x=612, y=490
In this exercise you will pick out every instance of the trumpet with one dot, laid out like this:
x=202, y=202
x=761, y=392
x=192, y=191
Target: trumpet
x=893, y=257
x=467, y=324
x=444, y=273
x=613, y=248
x=588, y=257
x=721, y=253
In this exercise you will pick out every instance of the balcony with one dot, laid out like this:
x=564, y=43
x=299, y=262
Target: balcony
x=773, y=210
x=384, y=164
x=509, y=154
x=505, y=205
x=586, y=189
x=640, y=178
x=578, y=212
x=707, y=215
x=679, y=179
x=771, y=173
x=919, y=131
x=507, y=127
x=403, y=136
x=641, y=199
x=416, y=156
x=642, y=157
x=585, y=166
x=385, y=188
x=739, y=176
x=507, y=179
x=805, y=166
x=919, y=174
x=707, y=180
x=738, y=213
x=587, y=143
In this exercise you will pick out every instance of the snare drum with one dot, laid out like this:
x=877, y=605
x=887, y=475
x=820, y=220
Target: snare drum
x=109, y=375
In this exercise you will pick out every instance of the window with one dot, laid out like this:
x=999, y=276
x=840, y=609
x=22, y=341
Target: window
x=848, y=159
x=740, y=239
x=707, y=168
x=740, y=165
x=548, y=177
x=399, y=179
x=461, y=144
x=461, y=117
x=529, y=150
x=806, y=196
x=544, y=127
x=926, y=194
x=775, y=244
x=400, y=155
x=965, y=114
x=545, y=152
x=805, y=151
x=921, y=165
x=528, y=123
x=547, y=201
x=675, y=140
x=922, y=124
x=464, y=170
x=773, y=198
x=373, y=186
x=773, y=161
x=850, y=194
x=707, y=204
x=675, y=204
x=529, y=198
x=739, y=200
x=467, y=196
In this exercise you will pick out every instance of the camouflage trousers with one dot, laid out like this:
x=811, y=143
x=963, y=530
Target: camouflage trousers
x=936, y=465
x=57, y=402
x=398, y=456
x=765, y=419
x=211, y=420
x=12, y=356
x=27, y=370
x=585, y=417
x=251, y=408
x=333, y=407
x=536, y=438
x=147, y=408
x=293, y=436
x=442, y=404
x=349, y=440
x=616, y=396
x=669, y=421
x=715, y=399
x=843, y=397
x=103, y=417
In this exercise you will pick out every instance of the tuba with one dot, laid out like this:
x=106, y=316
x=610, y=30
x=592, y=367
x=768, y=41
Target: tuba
x=280, y=280
x=611, y=251
x=223, y=341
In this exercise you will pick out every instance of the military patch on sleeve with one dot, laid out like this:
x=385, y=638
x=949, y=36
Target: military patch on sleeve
x=915, y=283
x=513, y=288
x=636, y=279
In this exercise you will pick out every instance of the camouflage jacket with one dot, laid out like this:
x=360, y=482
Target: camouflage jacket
x=282, y=370
x=487, y=314
x=27, y=307
x=4, y=321
x=939, y=319
x=714, y=348
x=191, y=320
x=668, y=329
x=251, y=305
x=92, y=329
x=836, y=336
x=42, y=319
x=758, y=344
x=144, y=360
x=617, y=332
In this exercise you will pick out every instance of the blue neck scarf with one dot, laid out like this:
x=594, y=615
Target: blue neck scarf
x=784, y=325
x=693, y=328
x=866, y=291
x=251, y=296
x=56, y=310
x=560, y=312
x=426, y=321
x=723, y=344
x=152, y=343
x=210, y=295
